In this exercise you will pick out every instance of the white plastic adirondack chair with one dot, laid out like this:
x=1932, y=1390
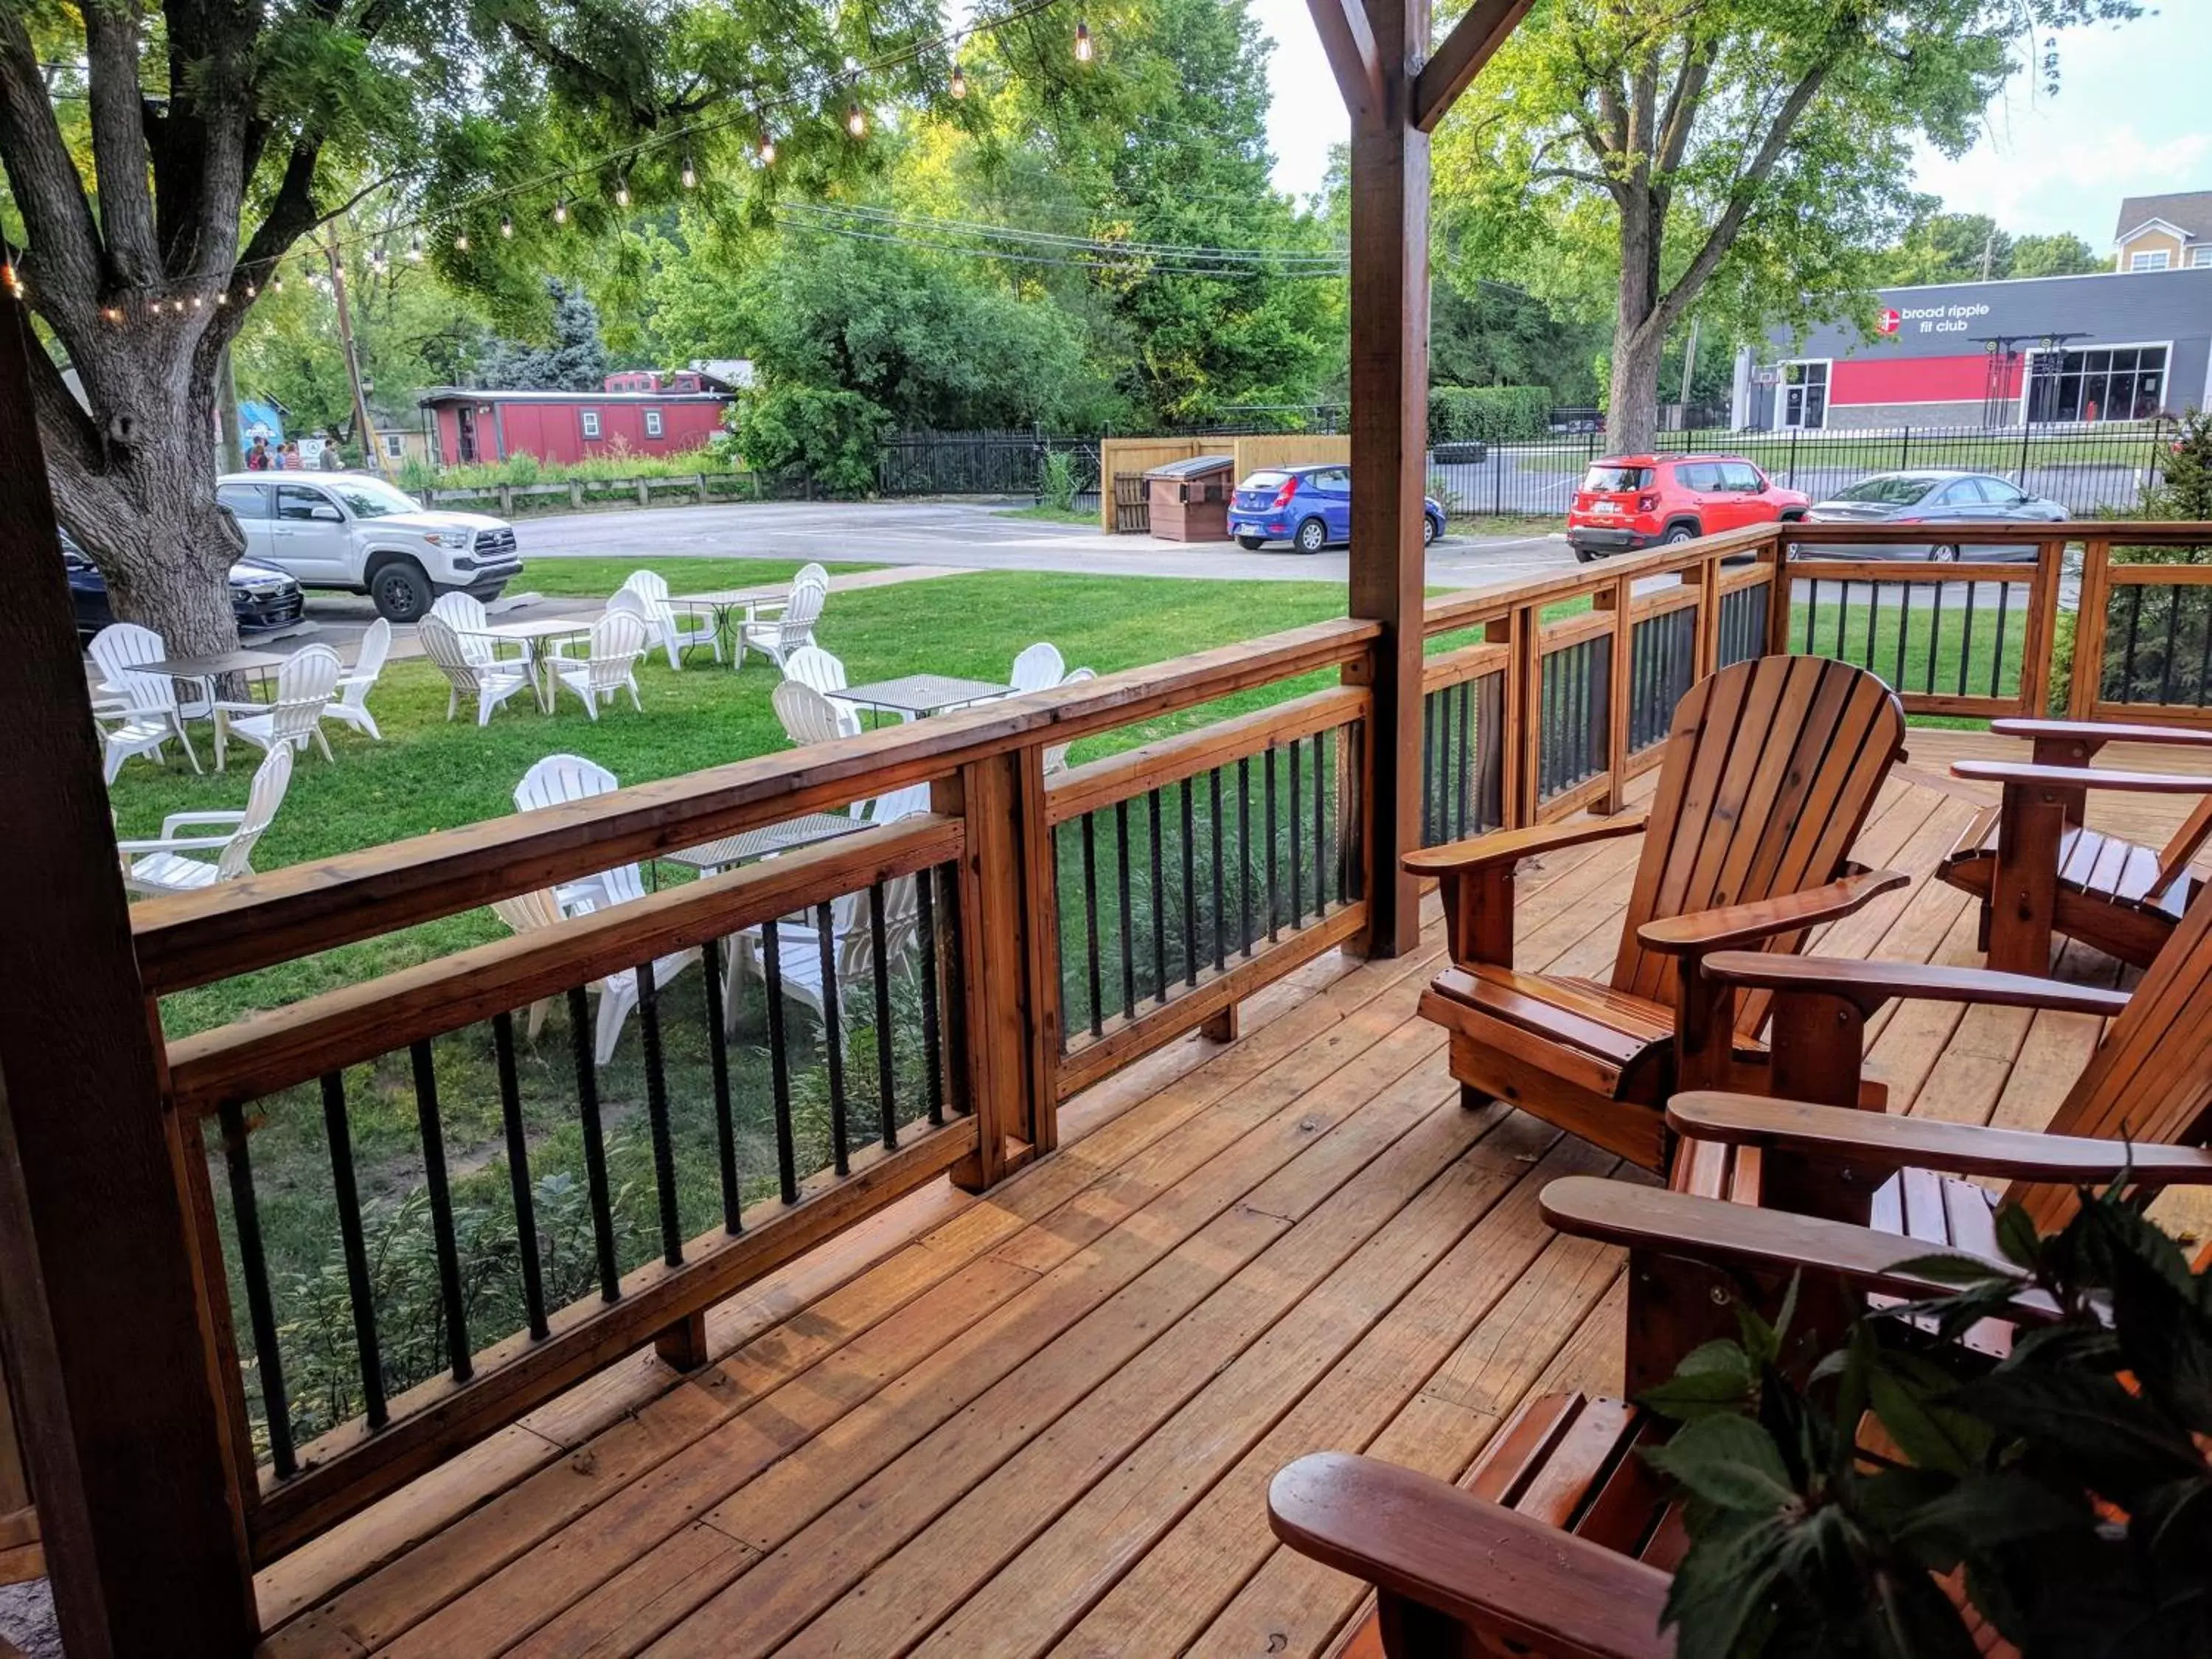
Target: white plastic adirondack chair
x=465, y=613
x=617, y=993
x=776, y=637
x=617, y=641
x=1037, y=669
x=674, y=627
x=810, y=717
x=490, y=680
x=355, y=684
x=555, y=780
x=853, y=954
x=143, y=706
x=811, y=665
x=629, y=599
x=161, y=865
x=894, y=804
x=1056, y=755
x=295, y=715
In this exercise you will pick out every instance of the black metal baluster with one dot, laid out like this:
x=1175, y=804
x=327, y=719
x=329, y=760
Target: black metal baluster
x=1935, y=638
x=1128, y=914
x=886, y=1061
x=1274, y=902
x=1245, y=854
x=1465, y=758
x=1158, y=894
x=778, y=1062
x=1966, y=640
x=1430, y=750
x=1346, y=735
x=361, y=1293
x=1320, y=830
x=1220, y=874
x=1090, y=922
x=1903, y=629
x=442, y=1210
x=517, y=1177
x=1297, y=822
x=1996, y=665
x=931, y=1054
x=2173, y=619
x=1812, y=609
x=833, y=1033
x=1842, y=618
x=2128, y=659
x=261, y=1309
x=2204, y=651
x=718, y=1065
x=595, y=1145
x=656, y=1114
x=1189, y=884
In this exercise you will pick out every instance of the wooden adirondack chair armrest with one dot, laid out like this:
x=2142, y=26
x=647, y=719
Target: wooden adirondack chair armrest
x=1513, y=1578
x=1744, y=924
x=1871, y=983
x=1511, y=846
x=1839, y=1133
x=2096, y=734
x=2012, y=773
x=1746, y=1238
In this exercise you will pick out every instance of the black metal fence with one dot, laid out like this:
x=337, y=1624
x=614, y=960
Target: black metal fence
x=980, y=463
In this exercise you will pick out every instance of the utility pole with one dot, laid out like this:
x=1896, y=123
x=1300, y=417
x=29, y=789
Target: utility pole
x=234, y=439
x=1988, y=251
x=1689, y=368
x=362, y=423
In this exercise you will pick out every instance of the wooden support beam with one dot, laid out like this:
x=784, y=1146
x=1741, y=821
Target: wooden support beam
x=1451, y=69
x=1348, y=40
x=1390, y=449
x=109, y=1354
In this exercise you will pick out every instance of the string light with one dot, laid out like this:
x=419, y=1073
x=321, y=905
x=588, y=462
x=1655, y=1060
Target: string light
x=113, y=314
x=277, y=281
x=1082, y=46
x=561, y=211
x=249, y=290
x=622, y=190
x=856, y=121
x=507, y=226
x=959, y=87
x=690, y=174
x=767, y=148
x=460, y=242
x=223, y=298
x=414, y=251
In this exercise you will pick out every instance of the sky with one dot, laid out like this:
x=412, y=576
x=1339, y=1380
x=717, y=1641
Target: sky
x=2133, y=117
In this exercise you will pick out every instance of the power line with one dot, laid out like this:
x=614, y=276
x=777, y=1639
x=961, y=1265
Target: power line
x=1196, y=264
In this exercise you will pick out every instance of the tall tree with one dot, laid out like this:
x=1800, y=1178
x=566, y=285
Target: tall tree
x=573, y=359
x=2063, y=254
x=161, y=158
x=1952, y=247
x=1746, y=158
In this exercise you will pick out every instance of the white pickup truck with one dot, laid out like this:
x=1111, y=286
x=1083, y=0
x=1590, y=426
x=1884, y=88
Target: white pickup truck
x=357, y=533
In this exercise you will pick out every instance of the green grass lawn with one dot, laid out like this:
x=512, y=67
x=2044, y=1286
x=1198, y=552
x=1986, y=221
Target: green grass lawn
x=602, y=576
x=1050, y=514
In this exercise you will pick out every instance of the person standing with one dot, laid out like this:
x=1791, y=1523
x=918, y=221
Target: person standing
x=332, y=461
x=290, y=461
x=256, y=459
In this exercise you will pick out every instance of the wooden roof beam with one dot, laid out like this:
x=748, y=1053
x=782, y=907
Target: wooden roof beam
x=1449, y=71
x=1349, y=39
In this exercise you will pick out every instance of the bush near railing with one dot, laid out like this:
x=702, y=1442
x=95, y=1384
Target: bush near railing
x=1493, y=414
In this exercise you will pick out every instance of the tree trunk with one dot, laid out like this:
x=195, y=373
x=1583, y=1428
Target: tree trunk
x=141, y=504
x=1631, y=415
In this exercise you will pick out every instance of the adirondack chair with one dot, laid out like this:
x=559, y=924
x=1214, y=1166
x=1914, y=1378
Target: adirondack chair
x=1037, y=669
x=355, y=684
x=294, y=717
x=674, y=627
x=1559, y=1541
x=162, y=865
x=617, y=993
x=139, y=712
x=811, y=665
x=775, y=636
x=2038, y=869
x=1770, y=770
x=1056, y=755
x=853, y=953
x=470, y=672
x=555, y=782
x=617, y=639
x=810, y=717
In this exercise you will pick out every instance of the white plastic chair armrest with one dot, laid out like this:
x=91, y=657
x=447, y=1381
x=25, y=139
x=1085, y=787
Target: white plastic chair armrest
x=229, y=708
x=345, y=680
x=169, y=824
x=176, y=844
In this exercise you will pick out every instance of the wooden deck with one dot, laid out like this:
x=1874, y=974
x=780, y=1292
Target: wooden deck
x=1043, y=1420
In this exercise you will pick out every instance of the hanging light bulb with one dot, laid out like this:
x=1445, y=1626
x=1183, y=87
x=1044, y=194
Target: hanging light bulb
x=507, y=226
x=690, y=174
x=223, y=298
x=622, y=190
x=277, y=281
x=959, y=87
x=251, y=291
x=561, y=211
x=414, y=251
x=113, y=314
x=767, y=148
x=856, y=121
x=178, y=305
x=460, y=242
x=1082, y=46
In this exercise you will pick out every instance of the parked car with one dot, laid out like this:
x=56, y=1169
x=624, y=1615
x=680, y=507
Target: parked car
x=1310, y=507
x=264, y=597
x=359, y=535
x=1628, y=502
x=1932, y=497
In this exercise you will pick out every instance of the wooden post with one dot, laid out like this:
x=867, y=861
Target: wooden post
x=1777, y=596
x=110, y=1357
x=1621, y=601
x=2035, y=663
x=2087, y=684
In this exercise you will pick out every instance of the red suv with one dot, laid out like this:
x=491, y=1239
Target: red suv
x=1630, y=502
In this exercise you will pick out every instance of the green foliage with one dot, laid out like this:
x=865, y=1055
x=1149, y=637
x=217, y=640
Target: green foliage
x=1969, y=247
x=2061, y=255
x=2185, y=486
x=832, y=434
x=2068, y=1484
x=1493, y=414
x=1490, y=335
x=574, y=358
x=1056, y=481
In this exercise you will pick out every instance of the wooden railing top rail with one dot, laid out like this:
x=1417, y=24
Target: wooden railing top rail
x=1481, y=604
x=287, y=913
x=274, y=1048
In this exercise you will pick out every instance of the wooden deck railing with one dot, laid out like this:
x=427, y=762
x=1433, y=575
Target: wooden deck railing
x=919, y=997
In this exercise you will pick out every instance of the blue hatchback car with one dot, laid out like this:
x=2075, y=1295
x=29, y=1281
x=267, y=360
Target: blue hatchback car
x=1309, y=506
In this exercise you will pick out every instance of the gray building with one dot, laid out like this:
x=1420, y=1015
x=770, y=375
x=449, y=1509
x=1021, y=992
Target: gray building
x=2048, y=351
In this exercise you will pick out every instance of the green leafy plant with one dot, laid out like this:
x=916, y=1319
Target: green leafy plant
x=2066, y=1486
x=1056, y=481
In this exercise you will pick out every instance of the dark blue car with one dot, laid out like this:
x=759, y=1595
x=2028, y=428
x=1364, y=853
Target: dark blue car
x=264, y=597
x=1309, y=506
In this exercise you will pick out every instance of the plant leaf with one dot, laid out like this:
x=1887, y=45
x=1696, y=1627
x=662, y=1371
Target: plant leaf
x=1715, y=1377
x=1730, y=1462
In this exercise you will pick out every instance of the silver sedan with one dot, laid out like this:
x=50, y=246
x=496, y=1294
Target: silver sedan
x=1932, y=497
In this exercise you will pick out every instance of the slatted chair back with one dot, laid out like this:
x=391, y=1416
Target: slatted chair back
x=1056, y=755
x=648, y=585
x=812, y=572
x=559, y=779
x=810, y=717
x=630, y=602
x=796, y=626
x=2150, y=1079
x=445, y=646
x=1770, y=770
x=811, y=666
x=894, y=804
x=270, y=779
x=305, y=686
x=369, y=661
x=1037, y=668
x=526, y=913
x=120, y=650
x=617, y=642
x=465, y=613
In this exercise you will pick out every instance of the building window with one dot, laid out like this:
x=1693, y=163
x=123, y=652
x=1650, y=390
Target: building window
x=1801, y=400
x=2155, y=259
x=2102, y=383
x=395, y=445
x=652, y=424
x=2199, y=257
x=591, y=418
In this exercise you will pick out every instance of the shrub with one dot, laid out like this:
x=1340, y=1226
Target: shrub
x=522, y=468
x=417, y=475
x=832, y=434
x=1056, y=481
x=1493, y=414
x=2186, y=489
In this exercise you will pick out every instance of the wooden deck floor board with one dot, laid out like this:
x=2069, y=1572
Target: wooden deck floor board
x=1044, y=1417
